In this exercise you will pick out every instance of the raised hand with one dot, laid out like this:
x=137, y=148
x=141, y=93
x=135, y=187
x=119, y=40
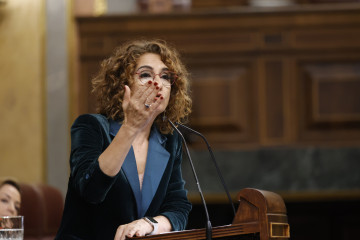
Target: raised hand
x=141, y=105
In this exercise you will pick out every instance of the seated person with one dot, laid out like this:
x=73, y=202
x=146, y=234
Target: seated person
x=10, y=198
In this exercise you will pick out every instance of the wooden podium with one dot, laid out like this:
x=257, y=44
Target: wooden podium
x=260, y=215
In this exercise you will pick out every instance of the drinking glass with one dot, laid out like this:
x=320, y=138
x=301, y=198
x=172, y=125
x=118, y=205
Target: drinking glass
x=12, y=228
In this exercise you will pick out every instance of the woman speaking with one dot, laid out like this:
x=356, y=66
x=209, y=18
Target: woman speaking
x=126, y=161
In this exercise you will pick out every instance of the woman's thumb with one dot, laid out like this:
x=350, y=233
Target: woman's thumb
x=126, y=98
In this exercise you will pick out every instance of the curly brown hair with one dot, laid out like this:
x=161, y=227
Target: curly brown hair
x=119, y=69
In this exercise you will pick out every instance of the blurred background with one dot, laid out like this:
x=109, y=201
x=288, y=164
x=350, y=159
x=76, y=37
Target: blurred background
x=275, y=85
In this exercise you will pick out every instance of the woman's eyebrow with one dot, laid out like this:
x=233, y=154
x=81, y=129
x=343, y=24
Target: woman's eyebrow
x=149, y=67
x=145, y=66
x=7, y=196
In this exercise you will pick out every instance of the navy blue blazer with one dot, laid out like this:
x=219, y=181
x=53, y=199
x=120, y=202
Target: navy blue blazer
x=96, y=204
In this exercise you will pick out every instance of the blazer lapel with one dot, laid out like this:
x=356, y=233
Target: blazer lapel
x=130, y=169
x=156, y=162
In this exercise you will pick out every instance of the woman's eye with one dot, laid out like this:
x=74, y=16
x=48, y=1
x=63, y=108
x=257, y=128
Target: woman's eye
x=166, y=77
x=4, y=200
x=145, y=75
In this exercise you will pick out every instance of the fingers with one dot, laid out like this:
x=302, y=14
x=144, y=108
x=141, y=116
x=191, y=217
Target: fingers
x=144, y=91
x=135, y=228
x=137, y=115
x=153, y=98
x=122, y=232
x=147, y=94
x=146, y=97
x=119, y=232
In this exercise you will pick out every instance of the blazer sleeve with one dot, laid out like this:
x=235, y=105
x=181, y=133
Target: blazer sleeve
x=176, y=206
x=88, y=140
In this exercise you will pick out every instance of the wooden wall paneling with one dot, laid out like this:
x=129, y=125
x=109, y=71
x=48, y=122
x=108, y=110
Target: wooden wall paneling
x=261, y=76
x=216, y=96
x=195, y=41
x=275, y=100
x=273, y=38
x=272, y=87
x=329, y=103
x=208, y=41
x=272, y=100
x=273, y=58
x=224, y=100
x=87, y=103
x=216, y=3
x=335, y=93
x=95, y=46
x=291, y=103
x=340, y=37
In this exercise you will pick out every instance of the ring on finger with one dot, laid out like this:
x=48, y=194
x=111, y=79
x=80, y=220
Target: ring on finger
x=147, y=105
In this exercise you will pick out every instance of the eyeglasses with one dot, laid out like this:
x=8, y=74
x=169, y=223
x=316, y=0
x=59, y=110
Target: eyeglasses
x=167, y=77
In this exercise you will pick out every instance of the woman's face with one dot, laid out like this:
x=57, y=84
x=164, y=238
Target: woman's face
x=10, y=200
x=151, y=63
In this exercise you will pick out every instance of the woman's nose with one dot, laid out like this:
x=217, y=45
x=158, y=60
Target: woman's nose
x=12, y=210
x=158, y=81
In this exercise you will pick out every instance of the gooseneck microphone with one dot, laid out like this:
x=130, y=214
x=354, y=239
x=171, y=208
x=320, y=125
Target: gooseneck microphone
x=214, y=161
x=208, y=224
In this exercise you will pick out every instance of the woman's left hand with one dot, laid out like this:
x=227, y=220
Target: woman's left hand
x=136, y=228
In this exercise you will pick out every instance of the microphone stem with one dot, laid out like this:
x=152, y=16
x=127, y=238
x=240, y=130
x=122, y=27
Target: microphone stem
x=208, y=224
x=215, y=163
